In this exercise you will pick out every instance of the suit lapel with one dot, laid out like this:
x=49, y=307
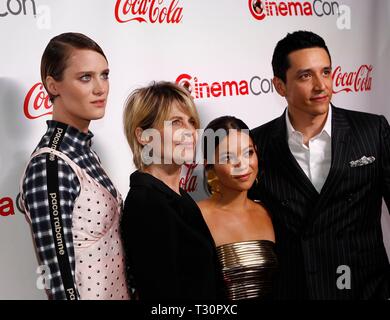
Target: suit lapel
x=341, y=147
x=341, y=154
x=286, y=162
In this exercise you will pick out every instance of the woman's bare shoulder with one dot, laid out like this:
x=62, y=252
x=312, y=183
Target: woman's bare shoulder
x=258, y=206
x=204, y=204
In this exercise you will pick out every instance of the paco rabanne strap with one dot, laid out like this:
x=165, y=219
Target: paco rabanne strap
x=55, y=213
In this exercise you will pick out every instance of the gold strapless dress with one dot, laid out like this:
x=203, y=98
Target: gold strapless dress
x=248, y=268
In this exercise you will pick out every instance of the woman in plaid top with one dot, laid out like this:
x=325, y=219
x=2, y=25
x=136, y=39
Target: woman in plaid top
x=72, y=205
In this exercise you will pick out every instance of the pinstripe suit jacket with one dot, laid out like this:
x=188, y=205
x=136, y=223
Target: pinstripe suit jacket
x=341, y=226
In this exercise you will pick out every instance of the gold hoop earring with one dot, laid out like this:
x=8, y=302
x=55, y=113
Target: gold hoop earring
x=213, y=182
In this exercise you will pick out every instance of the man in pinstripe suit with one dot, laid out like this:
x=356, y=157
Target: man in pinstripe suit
x=324, y=173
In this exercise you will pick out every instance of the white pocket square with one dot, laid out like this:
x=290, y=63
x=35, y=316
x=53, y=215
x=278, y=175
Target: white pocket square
x=363, y=161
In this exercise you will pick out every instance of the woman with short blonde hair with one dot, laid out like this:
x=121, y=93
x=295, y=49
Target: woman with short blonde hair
x=168, y=247
x=148, y=107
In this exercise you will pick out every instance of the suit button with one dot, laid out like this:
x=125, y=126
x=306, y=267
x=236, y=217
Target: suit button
x=350, y=197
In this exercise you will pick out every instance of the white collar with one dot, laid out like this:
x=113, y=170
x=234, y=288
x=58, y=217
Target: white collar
x=327, y=127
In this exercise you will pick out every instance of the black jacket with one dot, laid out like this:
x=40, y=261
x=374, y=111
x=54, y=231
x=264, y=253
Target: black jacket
x=168, y=247
x=318, y=233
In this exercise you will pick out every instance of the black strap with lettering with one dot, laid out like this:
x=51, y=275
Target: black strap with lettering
x=55, y=213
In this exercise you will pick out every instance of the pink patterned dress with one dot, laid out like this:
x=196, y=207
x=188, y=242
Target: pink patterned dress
x=99, y=265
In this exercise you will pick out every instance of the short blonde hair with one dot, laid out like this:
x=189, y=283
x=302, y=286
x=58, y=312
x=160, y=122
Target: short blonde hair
x=148, y=107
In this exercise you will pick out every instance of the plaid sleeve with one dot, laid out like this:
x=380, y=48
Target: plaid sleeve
x=37, y=203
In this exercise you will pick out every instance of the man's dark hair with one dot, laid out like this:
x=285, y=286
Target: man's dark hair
x=292, y=42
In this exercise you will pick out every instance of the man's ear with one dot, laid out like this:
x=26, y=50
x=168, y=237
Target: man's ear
x=138, y=135
x=52, y=86
x=280, y=86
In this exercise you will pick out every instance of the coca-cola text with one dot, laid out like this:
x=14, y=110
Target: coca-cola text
x=37, y=102
x=354, y=81
x=6, y=207
x=189, y=181
x=153, y=11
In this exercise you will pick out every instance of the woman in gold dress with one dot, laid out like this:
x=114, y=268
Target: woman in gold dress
x=242, y=228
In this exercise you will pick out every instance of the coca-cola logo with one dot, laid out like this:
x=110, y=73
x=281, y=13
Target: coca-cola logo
x=189, y=182
x=153, y=11
x=37, y=102
x=353, y=81
x=6, y=207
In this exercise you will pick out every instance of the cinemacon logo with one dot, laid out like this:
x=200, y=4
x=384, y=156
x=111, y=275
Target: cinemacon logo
x=153, y=11
x=261, y=9
x=37, y=102
x=17, y=7
x=200, y=89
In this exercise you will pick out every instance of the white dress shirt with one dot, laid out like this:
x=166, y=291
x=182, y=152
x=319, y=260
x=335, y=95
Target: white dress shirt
x=314, y=159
